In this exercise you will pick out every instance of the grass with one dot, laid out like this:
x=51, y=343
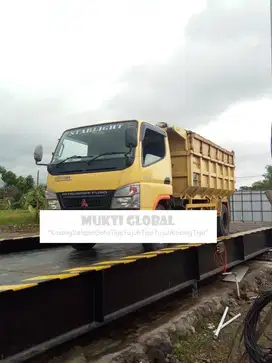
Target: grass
x=17, y=216
x=18, y=221
x=202, y=347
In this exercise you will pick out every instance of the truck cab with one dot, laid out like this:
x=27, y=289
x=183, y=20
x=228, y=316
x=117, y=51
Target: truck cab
x=122, y=165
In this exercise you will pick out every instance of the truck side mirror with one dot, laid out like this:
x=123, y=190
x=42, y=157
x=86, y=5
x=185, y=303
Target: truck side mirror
x=38, y=153
x=131, y=137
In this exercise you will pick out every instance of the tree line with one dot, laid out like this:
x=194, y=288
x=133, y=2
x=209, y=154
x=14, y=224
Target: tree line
x=265, y=184
x=20, y=192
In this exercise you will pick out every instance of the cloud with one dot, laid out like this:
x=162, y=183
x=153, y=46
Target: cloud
x=138, y=65
x=225, y=60
x=61, y=59
x=248, y=136
x=24, y=123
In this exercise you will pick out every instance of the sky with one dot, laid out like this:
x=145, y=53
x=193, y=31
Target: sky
x=202, y=65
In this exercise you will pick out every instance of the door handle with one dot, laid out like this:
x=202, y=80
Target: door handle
x=167, y=180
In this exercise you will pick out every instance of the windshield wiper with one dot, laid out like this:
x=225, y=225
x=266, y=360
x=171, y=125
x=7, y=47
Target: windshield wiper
x=109, y=153
x=73, y=157
x=93, y=157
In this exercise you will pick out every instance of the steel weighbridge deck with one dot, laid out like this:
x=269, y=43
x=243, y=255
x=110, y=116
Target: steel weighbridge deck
x=43, y=311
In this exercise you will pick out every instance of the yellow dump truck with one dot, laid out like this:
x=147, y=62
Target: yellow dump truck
x=137, y=165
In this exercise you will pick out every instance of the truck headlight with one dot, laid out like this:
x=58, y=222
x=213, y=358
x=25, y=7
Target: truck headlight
x=52, y=199
x=127, y=197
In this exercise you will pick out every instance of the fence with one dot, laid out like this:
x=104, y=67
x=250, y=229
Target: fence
x=251, y=205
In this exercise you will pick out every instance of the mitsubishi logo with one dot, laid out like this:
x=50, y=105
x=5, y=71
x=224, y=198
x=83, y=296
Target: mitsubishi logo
x=84, y=204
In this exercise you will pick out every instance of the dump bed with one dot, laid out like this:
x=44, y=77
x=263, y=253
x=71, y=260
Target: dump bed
x=200, y=168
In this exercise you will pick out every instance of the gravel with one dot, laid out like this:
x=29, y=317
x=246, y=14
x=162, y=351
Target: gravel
x=238, y=226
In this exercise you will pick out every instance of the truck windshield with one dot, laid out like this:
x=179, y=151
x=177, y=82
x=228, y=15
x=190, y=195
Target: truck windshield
x=101, y=146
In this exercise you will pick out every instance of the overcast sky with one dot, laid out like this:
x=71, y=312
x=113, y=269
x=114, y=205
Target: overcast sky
x=204, y=65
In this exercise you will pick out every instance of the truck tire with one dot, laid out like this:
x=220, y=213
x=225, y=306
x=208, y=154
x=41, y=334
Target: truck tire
x=83, y=246
x=148, y=247
x=223, y=222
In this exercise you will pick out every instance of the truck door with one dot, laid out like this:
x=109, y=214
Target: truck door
x=155, y=165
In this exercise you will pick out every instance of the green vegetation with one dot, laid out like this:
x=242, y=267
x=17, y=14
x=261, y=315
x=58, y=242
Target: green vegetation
x=17, y=217
x=20, y=199
x=202, y=347
x=265, y=184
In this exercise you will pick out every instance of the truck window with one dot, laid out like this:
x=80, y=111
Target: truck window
x=73, y=147
x=105, y=141
x=153, y=147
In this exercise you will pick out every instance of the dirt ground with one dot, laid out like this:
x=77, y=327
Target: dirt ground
x=18, y=230
x=238, y=226
x=202, y=346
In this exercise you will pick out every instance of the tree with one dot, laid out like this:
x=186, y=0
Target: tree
x=265, y=184
x=14, y=187
x=245, y=188
x=23, y=184
x=35, y=200
x=8, y=177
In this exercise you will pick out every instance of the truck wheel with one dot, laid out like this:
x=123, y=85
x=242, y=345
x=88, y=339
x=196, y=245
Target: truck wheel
x=223, y=222
x=83, y=246
x=148, y=247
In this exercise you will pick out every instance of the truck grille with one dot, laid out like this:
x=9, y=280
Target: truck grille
x=93, y=199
